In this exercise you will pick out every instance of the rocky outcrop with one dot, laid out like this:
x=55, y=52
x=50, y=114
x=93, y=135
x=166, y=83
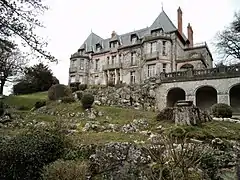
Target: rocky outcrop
x=137, y=96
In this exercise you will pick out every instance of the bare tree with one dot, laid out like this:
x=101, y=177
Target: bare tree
x=11, y=64
x=228, y=41
x=19, y=19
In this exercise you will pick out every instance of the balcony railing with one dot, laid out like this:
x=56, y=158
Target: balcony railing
x=72, y=69
x=193, y=56
x=112, y=66
x=152, y=55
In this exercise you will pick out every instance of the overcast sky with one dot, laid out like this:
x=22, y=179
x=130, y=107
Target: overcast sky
x=69, y=22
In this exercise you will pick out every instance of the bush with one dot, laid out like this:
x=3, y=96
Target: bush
x=22, y=108
x=74, y=89
x=24, y=156
x=87, y=100
x=58, y=91
x=67, y=99
x=67, y=170
x=24, y=87
x=165, y=114
x=221, y=110
x=82, y=87
x=39, y=104
x=79, y=95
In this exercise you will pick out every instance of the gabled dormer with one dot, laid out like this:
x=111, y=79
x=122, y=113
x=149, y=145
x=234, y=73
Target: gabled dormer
x=98, y=47
x=114, y=42
x=134, y=38
x=157, y=32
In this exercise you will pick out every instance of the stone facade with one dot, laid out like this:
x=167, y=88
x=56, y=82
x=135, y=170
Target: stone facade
x=134, y=57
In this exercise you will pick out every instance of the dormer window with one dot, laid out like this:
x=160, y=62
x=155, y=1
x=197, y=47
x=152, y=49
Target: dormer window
x=134, y=38
x=114, y=44
x=80, y=51
x=98, y=47
x=157, y=32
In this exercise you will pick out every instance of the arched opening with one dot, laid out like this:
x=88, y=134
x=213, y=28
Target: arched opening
x=186, y=67
x=206, y=96
x=234, y=96
x=175, y=95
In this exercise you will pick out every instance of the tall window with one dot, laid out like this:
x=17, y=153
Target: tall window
x=120, y=58
x=108, y=60
x=151, y=70
x=164, y=53
x=132, y=77
x=73, y=63
x=81, y=79
x=96, y=64
x=113, y=59
x=164, y=67
x=133, y=58
x=81, y=64
x=114, y=44
x=152, y=47
x=72, y=79
x=98, y=47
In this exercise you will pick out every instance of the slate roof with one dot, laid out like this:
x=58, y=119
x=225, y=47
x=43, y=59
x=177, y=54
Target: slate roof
x=162, y=21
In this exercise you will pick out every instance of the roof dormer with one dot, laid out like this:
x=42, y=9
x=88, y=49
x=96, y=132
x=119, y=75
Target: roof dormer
x=134, y=38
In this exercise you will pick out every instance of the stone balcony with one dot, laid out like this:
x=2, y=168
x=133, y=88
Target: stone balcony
x=150, y=56
x=112, y=66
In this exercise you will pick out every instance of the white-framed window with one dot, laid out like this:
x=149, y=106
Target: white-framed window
x=152, y=47
x=113, y=59
x=133, y=58
x=134, y=39
x=164, y=53
x=72, y=79
x=164, y=67
x=81, y=64
x=114, y=44
x=98, y=47
x=132, y=77
x=108, y=60
x=151, y=70
x=120, y=58
x=73, y=63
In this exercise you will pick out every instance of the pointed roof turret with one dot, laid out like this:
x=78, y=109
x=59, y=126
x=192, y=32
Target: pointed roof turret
x=90, y=42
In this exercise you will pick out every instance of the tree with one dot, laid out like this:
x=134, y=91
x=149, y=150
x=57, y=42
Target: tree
x=11, y=63
x=228, y=41
x=18, y=19
x=36, y=79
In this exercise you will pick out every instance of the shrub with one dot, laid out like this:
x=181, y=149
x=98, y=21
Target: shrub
x=39, y=104
x=58, y=91
x=82, y=87
x=221, y=110
x=24, y=87
x=165, y=114
x=87, y=100
x=24, y=156
x=68, y=99
x=22, y=108
x=79, y=95
x=74, y=89
x=67, y=170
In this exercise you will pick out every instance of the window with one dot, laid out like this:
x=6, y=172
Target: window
x=133, y=39
x=114, y=44
x=164, y=67
x=157, y=32
x=151, y=70
x=132, y=77
x=120, y=58
x=74, y=63
x=164, y=48
x=80, y=52
x=82, y=64
x=81, y=79
x=108, y=60
x=113, y=59
x=98, y=47
x=133, y=58
x=152, y=47
x=96, y=64
x=72, y=79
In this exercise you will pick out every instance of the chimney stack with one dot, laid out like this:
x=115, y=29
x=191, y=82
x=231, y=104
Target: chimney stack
x=190, y=35
x=113, y=34
x=179, y=14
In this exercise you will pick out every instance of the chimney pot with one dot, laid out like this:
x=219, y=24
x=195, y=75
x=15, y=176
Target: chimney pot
x=190, y=35
x=113, y=34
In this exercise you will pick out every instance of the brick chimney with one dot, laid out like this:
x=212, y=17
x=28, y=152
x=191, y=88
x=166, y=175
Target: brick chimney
x=113, y=34
x=190, y=34
x=179, y=14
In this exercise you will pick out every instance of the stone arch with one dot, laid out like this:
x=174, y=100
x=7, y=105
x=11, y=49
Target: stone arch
x=174, y=95
x=186, y=66
x=205, y=96
x=234, y=97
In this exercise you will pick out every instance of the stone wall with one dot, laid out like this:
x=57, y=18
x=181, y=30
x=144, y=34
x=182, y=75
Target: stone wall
x=135, y=96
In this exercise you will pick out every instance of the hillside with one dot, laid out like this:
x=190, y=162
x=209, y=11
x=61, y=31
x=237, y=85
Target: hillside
x=111, y=128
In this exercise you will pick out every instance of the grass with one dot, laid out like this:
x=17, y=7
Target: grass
x=117, y=115
x=26, y=101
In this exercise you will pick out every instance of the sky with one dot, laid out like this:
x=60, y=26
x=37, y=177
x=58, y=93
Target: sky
x=69, y=22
